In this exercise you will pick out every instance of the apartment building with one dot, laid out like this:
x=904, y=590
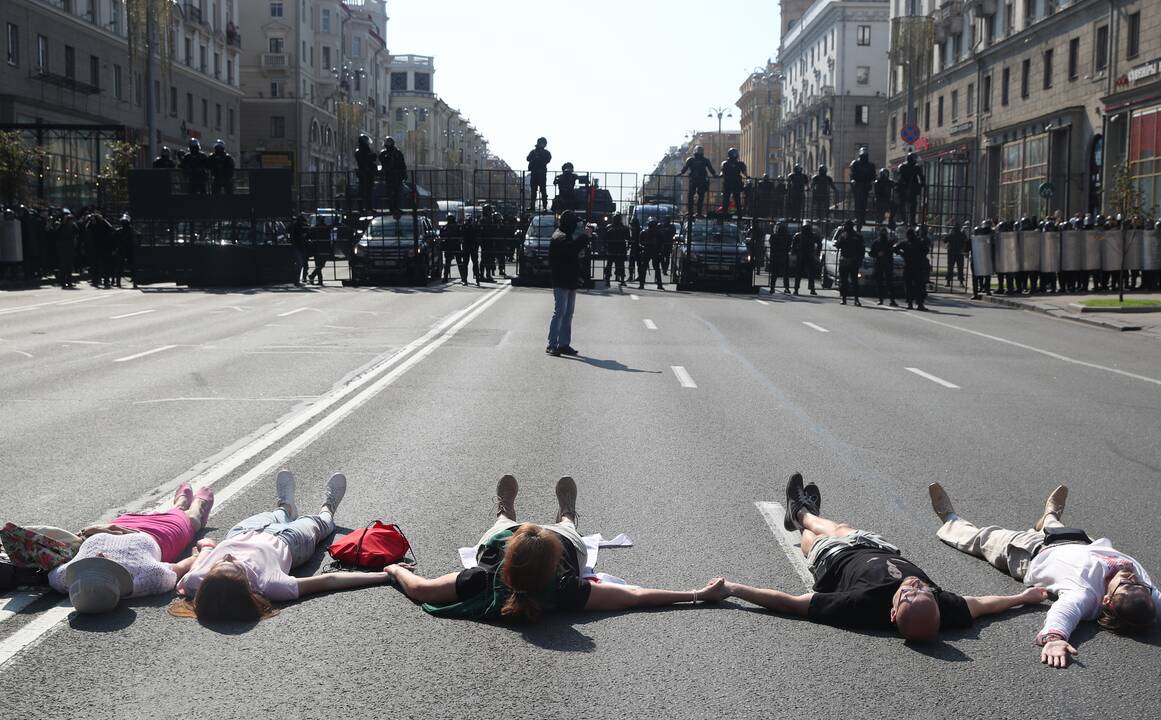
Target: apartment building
x=68, y=83
x=760, y=108
x=1022, y=95
x=834, y=84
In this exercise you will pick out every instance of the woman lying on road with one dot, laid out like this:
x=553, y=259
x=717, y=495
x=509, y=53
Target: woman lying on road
x=237, y=579
x=525, y=569
x=135, y=555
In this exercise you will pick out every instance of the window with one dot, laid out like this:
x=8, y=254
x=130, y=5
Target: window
x=70, y=62
x=1025, y=71
x=986, y=94
x=954, y=105
x=894, y=124
x=275, y=88
x=1009, y=19
x=13, y=45
x=939, y=112
x=230, y=72
x=1005, y=81
x=217, y=116
x=863, y=74
x=203, y=59
x=971, y=99
x=862, y=114
x=326, y=57
x=276, y=9
x=118, y=87
x=277, y=45
x=864, y=35
x=1029, y=12
x=991, y=33
x=356, y=46
x=1073, y=58
x=926, y=116
x=189, y=52
x=1023, y=167
x=1048, y=68
x=94, y=71
x=1144, y=147
x=398, y=81
x=173, y=101
x=956, y=47
x=189, y=107
x=41, y=53
x=1100, y=49
x=230, y=120
x=326, y=20
x=1133, y=35
x=277, y=126
x=423, y=82
x=217, y=66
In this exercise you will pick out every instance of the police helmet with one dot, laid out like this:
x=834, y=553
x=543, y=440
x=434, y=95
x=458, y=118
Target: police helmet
x=863, y=152
x=451, y=218
x=732, y=153
x=912, y=157
x=364, y=139
x=822, y=169
x=194, y=145
x=698, y=150
x=567, y=167
x=165, y=152
x=797, y=168
x=884, y=173
x=220, y=145
x=388, y=142
x=541, y=142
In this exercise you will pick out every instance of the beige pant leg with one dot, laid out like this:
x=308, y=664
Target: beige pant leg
x=1010, y=551
x=502, y=523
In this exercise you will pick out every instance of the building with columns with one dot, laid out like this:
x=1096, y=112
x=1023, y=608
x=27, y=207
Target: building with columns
x=760, y=108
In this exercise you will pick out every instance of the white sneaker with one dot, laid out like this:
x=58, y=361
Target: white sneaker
x=284, y=492
x=336, y=489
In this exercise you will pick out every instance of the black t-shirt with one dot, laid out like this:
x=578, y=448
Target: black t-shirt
x=858, y=587
x=569, y=592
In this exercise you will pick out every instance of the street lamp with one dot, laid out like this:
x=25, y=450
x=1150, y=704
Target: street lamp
x=719, y=112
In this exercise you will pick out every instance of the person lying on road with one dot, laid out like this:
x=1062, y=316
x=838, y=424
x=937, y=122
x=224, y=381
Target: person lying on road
x=862, y=581
x=526, y=569
x=135, y=555
x=237, y=579
x=1090, y=579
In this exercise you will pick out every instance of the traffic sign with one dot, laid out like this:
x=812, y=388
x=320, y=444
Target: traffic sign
x=909, y=134
x=1047, y=190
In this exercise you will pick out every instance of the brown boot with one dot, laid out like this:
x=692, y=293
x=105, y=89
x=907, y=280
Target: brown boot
x=1054, y=505
x=506, y=490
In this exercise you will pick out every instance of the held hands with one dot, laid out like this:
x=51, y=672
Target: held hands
x=1057, y=653
x=714, y=591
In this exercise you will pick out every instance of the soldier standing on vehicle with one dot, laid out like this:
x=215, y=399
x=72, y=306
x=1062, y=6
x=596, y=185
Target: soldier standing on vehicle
x=807, y=245
x=796, y=183
x=394, y=169
x=538, y=161
x=915, y=268
x=634, y=246
x=565, y=184
x=851, y=252
x=616, y=238
x=778, y=198
x=471, y=249
x=780, y=257
x=451, y=248
x=885, y=197
x=300, y=242
x=698, y=167
x=733, y=173
x=652, y=246
x=194, y=166
x=221, y=167
x=883, y=253
x=862, y=179
x=911, y=184
x=367, y=169
x=821, y=186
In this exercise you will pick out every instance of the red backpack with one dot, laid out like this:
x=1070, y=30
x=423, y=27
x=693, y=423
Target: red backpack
x=374, y=546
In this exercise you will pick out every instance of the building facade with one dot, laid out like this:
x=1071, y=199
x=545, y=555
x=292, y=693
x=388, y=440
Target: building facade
x=1021, y=97
x=67, y=67
x=834, y=86
x=760, y=107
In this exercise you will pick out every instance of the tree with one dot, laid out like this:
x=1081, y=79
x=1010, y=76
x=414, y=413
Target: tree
x=150, y=26
x=1127, y=201
x=114, y=176
x=18, y=164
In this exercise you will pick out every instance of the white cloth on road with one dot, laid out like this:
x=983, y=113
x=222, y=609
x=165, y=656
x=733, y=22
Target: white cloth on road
x=593, y=543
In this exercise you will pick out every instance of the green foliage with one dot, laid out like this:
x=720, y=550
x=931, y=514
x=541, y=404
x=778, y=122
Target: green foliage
x=119, y=160
x=18, y=164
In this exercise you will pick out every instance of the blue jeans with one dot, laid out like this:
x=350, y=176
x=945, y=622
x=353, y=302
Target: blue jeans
x=301, y=534
x=560, y=329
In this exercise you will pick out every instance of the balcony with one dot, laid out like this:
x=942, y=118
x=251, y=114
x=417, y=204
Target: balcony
x=275, y=61
x=981, y=7
x=192, y=12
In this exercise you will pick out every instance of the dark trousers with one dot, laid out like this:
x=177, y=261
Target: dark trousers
x=848, y=277
x=539, y=183
x=320, y=261
x=915, y=281
x=643, y=269
x=884, y=281
x=617, y=263
x=64, y=271
x=698, y=189
x=366, y=190
x=469, y=255
x=794, y=203
x=301, y=259
x=981, y=284
x=884, y=207
x=780, y=265
x=732, y=193
x=449, y=257
x=910, y=207
x=394, y=190
x=954, y=268
x=804, y=268
x=861, y=194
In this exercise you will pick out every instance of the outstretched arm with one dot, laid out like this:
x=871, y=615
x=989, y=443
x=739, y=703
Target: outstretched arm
x=610, y=596
x=334, y=582
x=993, y=604
x=420, y=589
x=771, y=599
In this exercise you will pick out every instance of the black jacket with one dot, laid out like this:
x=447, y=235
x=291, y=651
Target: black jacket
x=564, y=259
x=394, y=165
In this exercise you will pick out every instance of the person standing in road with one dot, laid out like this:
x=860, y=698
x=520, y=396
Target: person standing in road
x=981, y=284
x=564, y=263
x=634, y=246
x=699, y=168
x=911, y=184
x=124, y=245
x=65, y=234
x=616, y=238
x=300, y=242
x=914, y=251
x=883, y=253
x=806, y=247
x=100, y=244
x=320, y=245
x=733, y=174
x=796, y=183
x=471, y=251
x=780, y=257
x=538, y=161
x=851, y=253
x=668, y=233
x=956, y=241
x=450, y=237
x=393, y=166
x=652, y=247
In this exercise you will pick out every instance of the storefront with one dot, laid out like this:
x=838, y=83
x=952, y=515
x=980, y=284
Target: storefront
x=1133, y=132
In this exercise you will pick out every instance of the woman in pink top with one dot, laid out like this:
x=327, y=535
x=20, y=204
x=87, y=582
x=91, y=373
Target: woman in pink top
x=238, y=579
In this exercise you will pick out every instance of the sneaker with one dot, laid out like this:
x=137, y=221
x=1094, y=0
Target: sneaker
x=548, y=350
x=796, y=502
x=812, y=292
x=940, y=502
x=183, y=497
x=284, y=492
x=506, y=490
x=815, y=496
x=336, y=489
x=205, y=499
x=554, y=353
x=569, y=350
x=566, y=498
x=1054, y=505
x=894, y=304
x=858, y=303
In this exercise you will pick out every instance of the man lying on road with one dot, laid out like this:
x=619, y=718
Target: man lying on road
x=862, y=581
x=1090, y=579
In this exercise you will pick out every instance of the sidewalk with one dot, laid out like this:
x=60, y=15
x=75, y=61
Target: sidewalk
x=1060, y=306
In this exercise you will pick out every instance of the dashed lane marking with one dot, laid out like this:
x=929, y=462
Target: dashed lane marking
x=297, y=311
x=16, y=602
x=20, y=352
x=933, y=378
x=761, y=302
x=773, y=513
x=683, y=377
x=26, y=308
x=154, y=351
x=815, y=327
x=649, y=324
x=634, y=297
x=132, y=314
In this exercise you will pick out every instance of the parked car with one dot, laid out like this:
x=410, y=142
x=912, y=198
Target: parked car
x=830, y=262
x=712, y=253
x=396, y=249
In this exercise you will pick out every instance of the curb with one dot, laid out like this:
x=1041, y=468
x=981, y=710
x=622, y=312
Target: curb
x=1057, y=312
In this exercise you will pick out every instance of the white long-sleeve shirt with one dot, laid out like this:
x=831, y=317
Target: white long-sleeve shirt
x=1078, y=576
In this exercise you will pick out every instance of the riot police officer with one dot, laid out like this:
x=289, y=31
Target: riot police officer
x=634, y=246
x=616, y=238
x=221, y=167
x=367, y=168
x=698, y=167
x=164, y=161
x=851, y=252
x=780, y=256
x=862, y=179
x=796, y=183
x=394, y=170
x=450, y=237
x=565, y=184
x=733, y=173
x=538, y=161
x=778, y=198
x=885, y=197
x=652, y=246
x=914, y=249
x=471, y=249
x=821, y=186
x=956, y=242
x=807, y=245
x=911, y=184
x=194, y=166
x=883, y=254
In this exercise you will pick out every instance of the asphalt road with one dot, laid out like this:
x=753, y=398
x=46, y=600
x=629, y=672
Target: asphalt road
x=425, y=397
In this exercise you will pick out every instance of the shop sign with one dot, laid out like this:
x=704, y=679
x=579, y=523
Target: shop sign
x=1144, y=70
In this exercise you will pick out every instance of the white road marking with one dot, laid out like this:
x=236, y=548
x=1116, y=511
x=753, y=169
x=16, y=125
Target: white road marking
x=341, y=327
x=16, y=602
x=815, y=327
x=84, y=300
x=84, y=342
x=297, y=311
x=932, y=378
x=649, y=324
x=1046, y=353
x=404, y=360
x=20, y=352
x=761, y=302
x=633, y=297
x=683, y=376
x=25, y=308
x=154, y=351
x=132, y=314
x=225, y=399
x=774, y=513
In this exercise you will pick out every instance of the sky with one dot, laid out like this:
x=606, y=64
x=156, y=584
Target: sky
x=611, y=84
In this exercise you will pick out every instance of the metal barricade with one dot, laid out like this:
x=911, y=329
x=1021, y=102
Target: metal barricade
x=1031, y=242
x=1008, y=252
x=1118, y=252
x=1094, y=240
x=982, y=261
x=1072, y=250
x=1150, y=252
x=1050, y=251
x=11, y=244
